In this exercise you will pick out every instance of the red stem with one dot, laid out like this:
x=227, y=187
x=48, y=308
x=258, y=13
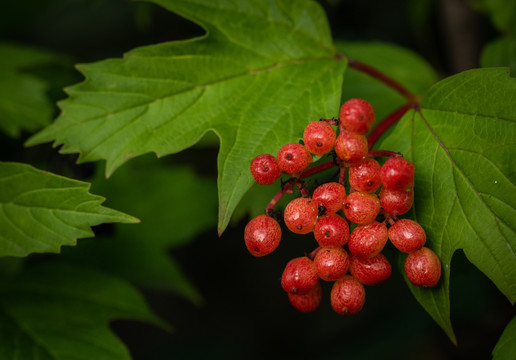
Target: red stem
x=386, y=123
x=313, y=253
x=316, y=169
x=384, y=153
x=360, y=66
x=284, y=189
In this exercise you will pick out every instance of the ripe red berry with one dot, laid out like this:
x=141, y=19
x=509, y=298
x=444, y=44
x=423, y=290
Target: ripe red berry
x=319, y=137
x=299, y=276
x=397, y=173
x=351, y=147
x=331, y=231
x=357, y=115
x=265, y=169
x=396, y=202
x=365, y=177
x=367, y=241
x=347, y=296
x=370, y=271
x=361, y=208
x=407, y=235
x=307, y=302
x=423, y=267
x=300, y=215
x=329, y=195
x=293, y=158
x=331, y=264
x=262, y=235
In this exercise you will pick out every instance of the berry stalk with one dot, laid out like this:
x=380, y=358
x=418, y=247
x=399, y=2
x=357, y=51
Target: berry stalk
x=386, y=123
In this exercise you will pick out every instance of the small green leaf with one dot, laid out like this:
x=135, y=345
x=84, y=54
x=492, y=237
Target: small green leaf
x=503, y=14
x=58, y=311
x=500, y=52
x=24, y=104
x=259, y=75
x=462, y=143
x=506, y=346
x=40, y=212
x=174, y=204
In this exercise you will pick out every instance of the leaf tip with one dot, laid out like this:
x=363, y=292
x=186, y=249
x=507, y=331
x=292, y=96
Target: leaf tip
x=220, y=231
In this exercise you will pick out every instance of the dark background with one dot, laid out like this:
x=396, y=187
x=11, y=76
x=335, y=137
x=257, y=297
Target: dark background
x=245, y=313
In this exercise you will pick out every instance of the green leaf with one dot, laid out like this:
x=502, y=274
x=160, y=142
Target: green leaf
x=503, y=14
x=506, y=346
x=24, y=105
x=500, y=52
x=174, y=204
x=40, y=212
x=58, y=311
x=259, y=75
x=462, y=144
x=403, y=65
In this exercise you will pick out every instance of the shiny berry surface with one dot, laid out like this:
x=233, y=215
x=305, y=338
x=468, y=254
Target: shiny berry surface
x=423, y=267
x=300, y=215
x=262, y=235
x=319, y=137
x=361, y=208
x=293, y=158
x=331, y=264
x=307, y=302
x=370, y=271
x=265, y=169
x=367, y=241
x=299, y=276
x=407, y=235
x=351, y=147
x=397, y=173
x=329, y=195
x=365, y=177
x=357, y=115
x=347, y=296
x=331, y=231
x=396, y=202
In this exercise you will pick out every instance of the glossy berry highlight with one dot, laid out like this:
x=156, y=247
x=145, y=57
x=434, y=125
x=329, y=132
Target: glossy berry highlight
x=357, y=115
x=300, y=215
x=365, y=177
x=371, y=271
x=262, y=235
x=361, y=208
x=319, y=137
x=293, y=158
x=265, y=169
x=331, y=231
x=369, y=240
x=407, y=235
x=423, y=268
x=397, y=173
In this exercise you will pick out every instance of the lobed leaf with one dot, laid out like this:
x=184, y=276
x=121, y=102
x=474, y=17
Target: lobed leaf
x=506, y=346
x=40, y=211
x=462, y=143
x=262, y=71
x=24, y=105
x=59, y=311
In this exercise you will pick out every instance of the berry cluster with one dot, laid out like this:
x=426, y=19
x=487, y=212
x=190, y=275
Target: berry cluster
x=351, y=223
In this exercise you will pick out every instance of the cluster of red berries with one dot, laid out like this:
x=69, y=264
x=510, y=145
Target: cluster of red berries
x=353, y=258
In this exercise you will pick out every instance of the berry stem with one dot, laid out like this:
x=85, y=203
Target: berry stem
x=287, y=187
x=369, y=70
x=342, y=176
x=384, y=153
x=317, y=169
x=313, y=253
x=386, y=123
x=332, y=121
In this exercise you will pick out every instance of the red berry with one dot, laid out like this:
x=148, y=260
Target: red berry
x=329, y=195
x=407, y=235
x=351, y=147
x=367, y=241
x=300, y=215
x=365, y=177
x=357, y=115
x=307, y=302
x=293, y=158
x=331, y=231
x=265, y=169
x=262, y=235
x=319, y=137
x=423, y=267
x=361, y=208
x=397, y=173
x=331, y=264
x=370, y=271
x=347, y=296
x=396, y=202
x=299, y=276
